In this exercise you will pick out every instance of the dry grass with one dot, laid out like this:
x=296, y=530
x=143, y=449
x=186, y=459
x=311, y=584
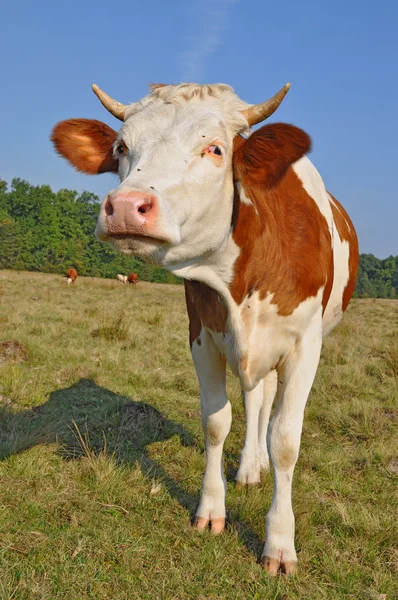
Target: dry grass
x=112, y=328
x=102, y=454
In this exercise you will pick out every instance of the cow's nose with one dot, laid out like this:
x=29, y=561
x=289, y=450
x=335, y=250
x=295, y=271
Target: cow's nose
x=128, y=213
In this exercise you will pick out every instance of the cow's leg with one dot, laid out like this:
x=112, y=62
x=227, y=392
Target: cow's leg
x=254, y=456
x=295, y=379
x=249, y=468
x=216, y=420
x=270, y=384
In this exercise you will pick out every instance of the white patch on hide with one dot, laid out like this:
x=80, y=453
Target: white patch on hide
x=315, y=188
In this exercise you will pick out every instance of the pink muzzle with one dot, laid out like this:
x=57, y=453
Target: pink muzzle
x=130, y=213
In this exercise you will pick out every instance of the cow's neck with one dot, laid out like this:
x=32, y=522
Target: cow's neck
x=212, y=282
x=226, y=269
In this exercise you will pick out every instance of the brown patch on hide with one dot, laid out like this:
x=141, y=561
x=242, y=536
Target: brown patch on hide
x=87, y=144
x=285, y=239
x=195, y=326
x=347, y=232
x=205, y=309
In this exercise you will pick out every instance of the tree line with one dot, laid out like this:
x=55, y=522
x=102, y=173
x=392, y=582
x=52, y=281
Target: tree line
x=377, y=278
x=42, y=230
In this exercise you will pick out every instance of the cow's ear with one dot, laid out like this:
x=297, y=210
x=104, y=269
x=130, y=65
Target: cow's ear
x=87, y=144
x=267, y=154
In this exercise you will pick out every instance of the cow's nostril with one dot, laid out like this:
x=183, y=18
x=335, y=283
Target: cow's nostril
x=146, y=207
x=108, y=208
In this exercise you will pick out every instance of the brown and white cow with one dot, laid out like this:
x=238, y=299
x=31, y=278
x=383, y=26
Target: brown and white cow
x=269, y=259
x=71, y=275
x=132, y=278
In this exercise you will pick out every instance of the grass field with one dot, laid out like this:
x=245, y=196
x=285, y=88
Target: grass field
x=101, y=454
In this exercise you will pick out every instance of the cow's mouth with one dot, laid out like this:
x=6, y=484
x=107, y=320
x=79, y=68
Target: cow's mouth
x=137, y=236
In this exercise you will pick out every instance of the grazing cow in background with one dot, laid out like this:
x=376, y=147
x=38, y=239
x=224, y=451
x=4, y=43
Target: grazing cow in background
x=132, y=278
x=269, y=259
x=71, y=275
x=121, y=278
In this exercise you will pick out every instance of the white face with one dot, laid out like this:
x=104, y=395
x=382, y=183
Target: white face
x=174, y=201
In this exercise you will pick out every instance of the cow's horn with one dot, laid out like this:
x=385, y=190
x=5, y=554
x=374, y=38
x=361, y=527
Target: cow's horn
x=115, y=108
x=259, y=112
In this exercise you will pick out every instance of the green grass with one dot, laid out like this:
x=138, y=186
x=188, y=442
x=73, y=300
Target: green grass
x=102, y=455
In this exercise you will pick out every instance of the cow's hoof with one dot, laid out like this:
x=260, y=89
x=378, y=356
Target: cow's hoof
x=246, y=484
x=217, y=526
x=248, y=473
x=273, y=566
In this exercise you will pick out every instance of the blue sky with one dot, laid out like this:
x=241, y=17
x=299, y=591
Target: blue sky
x=341, y=58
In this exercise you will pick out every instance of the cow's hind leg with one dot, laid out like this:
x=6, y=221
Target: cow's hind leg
x=270, y=385
x=216, y=421
x=254, y=456
x=295, y=379
x=249, y=468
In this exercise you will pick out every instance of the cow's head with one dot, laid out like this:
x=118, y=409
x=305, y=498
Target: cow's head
x=173, y=155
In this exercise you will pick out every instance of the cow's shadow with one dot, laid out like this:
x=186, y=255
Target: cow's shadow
x=83, y=416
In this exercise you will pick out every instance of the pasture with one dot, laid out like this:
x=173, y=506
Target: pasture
x=102, y=454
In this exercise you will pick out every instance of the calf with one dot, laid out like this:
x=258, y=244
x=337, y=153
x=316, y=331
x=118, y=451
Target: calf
x=269, y=259
x=121, y=278
x=132, y=278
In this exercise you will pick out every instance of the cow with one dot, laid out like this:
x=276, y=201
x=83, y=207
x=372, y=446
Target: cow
x=132, y=278
x=268, y=255
x=121, y=278
x=71, y=275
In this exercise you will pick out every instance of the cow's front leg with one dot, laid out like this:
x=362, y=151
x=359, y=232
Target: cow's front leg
x=216, y=420
x=254, y=456
x=295, y=379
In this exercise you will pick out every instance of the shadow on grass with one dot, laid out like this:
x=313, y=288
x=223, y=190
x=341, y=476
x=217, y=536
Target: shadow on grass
x=98, y=414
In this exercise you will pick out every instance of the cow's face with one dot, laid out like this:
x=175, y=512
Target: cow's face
x=173, y=155
x=174, y=200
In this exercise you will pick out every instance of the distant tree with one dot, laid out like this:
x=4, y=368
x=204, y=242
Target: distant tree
x=377, y=278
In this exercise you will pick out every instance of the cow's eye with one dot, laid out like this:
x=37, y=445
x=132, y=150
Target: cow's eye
x=121, y=149
x=215, y=150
